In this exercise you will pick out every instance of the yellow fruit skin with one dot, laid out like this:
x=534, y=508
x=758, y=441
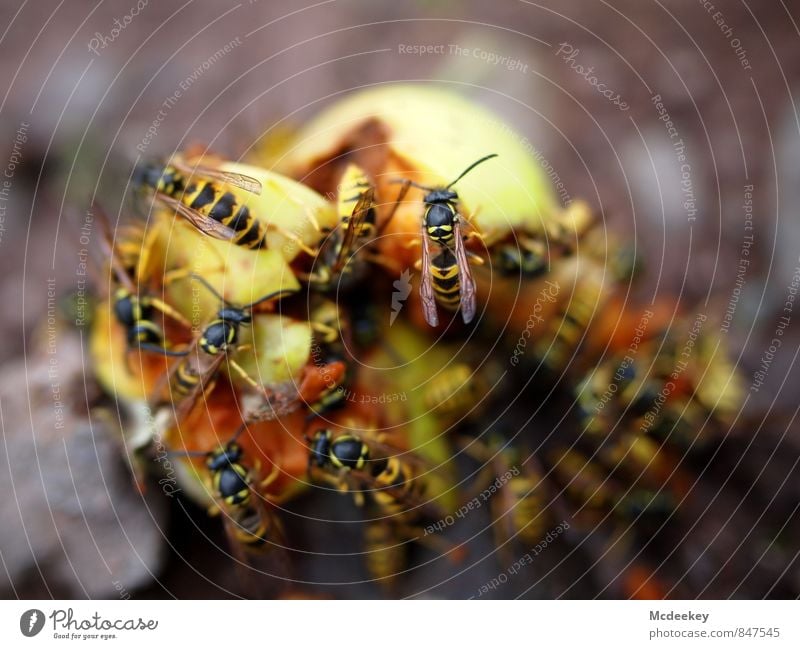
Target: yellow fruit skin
x=128, y=374
x=278, y=349
x=241, y=276
x=436, y=133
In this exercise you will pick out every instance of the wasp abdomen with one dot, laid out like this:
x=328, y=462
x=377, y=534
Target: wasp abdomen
x=445, y=280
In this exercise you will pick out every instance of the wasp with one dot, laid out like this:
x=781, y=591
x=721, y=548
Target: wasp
x=455, y=391
x=630, y=478
x=357, y=224
x=609, y=389
x=521, y=506
x=571, y=324
x=446, y=277
x=248, y=521
x=328, y=322
x=132, y=309
x=195, y=373
x=513, y=259
x=530, y=255
x=648, y=509
x=359, y=463
x=395, y=488
x=584, y=482
x=207, y=198
x=331, y=328
x=639, y=458
x=384, y=552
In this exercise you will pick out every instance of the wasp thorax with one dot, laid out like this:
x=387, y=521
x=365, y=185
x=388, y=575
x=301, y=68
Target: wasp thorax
x=349, y=452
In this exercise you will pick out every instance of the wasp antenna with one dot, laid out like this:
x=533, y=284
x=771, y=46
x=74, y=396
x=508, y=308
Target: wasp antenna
x=186, y=454
x=157, y=349
x=397, y=201
x=280, y=293
x=211, y=289
x=99, y=213
x=238, y=432
x=410, y=183
x=471, y=167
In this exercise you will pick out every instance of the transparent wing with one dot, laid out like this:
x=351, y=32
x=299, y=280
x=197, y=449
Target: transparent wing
x=204, y=223
x=240, y=181
x=464, y=278
x=426, y=286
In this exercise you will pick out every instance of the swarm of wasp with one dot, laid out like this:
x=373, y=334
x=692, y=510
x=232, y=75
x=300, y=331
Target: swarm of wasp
x=256, y=320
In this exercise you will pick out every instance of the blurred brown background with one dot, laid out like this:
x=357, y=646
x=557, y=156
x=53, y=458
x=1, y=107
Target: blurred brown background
x=82, y=114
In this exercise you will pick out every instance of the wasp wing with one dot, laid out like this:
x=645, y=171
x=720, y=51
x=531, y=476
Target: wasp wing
x=257, y=543
x=204, y=223
x=404, y=492
x=464, y=277
x=426, y=285
x=365, y=202
x=186, y=379
x=240, y=181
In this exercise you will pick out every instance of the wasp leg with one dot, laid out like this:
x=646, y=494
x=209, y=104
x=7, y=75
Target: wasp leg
x=485, y=477
x=167, y=310
x=344, y=487
x=128, y=366
x=274, y=472
x=475, y=258
x=175, y=274
x=473, y=216
x=313, y=220
x=144, y=255
x=400, y=196
x=266, y=482
x=312, y=252
x=322, y=276
x=241, y=372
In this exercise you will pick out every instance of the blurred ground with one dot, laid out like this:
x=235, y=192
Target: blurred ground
x=77, y=117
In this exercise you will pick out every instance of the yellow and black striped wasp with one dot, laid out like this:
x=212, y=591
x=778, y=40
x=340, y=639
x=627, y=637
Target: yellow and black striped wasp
x=457, y=391
x=584, y=483
x=132, y=309
x=384, y=552
x=195, y=373
x=203, y=196
x=391, y=485
x=514, y=259
x=239, y=496
x=331, y=327
x=357, y=215
x=362, y=464
x=446, y=276
x=522, y=506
